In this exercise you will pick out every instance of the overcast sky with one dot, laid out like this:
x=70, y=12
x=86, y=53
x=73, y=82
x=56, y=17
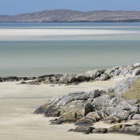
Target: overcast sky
x=23, y=6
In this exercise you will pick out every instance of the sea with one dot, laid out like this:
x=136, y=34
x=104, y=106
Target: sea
x=67, y=48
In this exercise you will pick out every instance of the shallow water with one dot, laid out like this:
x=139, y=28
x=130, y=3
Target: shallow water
x=37, y=55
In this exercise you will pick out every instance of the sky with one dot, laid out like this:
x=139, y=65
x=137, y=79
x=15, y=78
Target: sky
x=12, y=7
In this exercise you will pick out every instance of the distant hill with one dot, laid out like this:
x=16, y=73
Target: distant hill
x=74, y=16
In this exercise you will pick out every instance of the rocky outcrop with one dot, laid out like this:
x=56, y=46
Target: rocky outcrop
x=86, y=108
x=95, y=75
x=15, y=78
x=133, y=129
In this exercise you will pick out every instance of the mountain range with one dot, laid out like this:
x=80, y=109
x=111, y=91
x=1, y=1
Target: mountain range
x=74, y=16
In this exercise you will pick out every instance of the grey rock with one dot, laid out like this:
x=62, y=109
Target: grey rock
x=100, y=130
x=85, y=107
x=136, y=72
x=122, y=86
x=136, y=117
x=131, y=129
x=136, y=65
x=85, y=130
x=104, y=77
x=84, y=122
x=94, y=74
x=67, y=79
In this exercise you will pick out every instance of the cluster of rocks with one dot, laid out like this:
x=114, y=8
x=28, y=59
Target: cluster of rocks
x=86, y=108
x=95, y=75
x=15, y=78
x=121, y=128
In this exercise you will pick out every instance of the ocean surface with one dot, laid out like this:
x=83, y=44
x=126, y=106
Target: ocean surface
x=66, y=47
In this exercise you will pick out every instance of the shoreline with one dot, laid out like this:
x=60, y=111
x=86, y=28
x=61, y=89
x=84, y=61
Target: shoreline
x=89, y=76
x=74, y=22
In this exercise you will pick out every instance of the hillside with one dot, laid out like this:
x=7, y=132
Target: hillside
x=74, y=16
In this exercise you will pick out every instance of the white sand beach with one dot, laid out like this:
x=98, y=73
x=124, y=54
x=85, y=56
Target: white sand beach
x=29, y=34
x=18, y=102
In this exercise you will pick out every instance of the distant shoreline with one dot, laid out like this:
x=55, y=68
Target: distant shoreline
x=73, y=16
x=77, y=22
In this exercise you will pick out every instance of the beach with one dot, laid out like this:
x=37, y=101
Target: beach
x=18, y=103
x=30, y=34
x=71, y=57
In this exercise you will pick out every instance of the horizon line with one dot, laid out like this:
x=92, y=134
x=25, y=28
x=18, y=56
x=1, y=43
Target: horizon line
x=69, y=10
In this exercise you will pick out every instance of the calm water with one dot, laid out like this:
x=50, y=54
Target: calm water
x=69, y=53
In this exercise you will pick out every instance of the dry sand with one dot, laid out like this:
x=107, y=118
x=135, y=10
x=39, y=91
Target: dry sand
x=17, y=121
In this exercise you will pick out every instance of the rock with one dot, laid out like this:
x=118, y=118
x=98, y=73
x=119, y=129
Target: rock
x=14, y=79
x=94, y=74
x=136, y=117
x=86, y=130
x=82, y=78
x=68, y=113
x=90, y=107
x=67, y=79
x=73, y=111
x=49, y=109
x=100, y=130
x=136, y=65
x=131, y=129
x=113, y=71
x=122, y=128
x=128, y=105
x=94, y=116
x=136, y=72
x=56, y=122
x=86, y=108
x=116, y=128
x=52, y=112
x=122, y=86
x=117, y=115
x=84, y=122
x=63, y=101
x=125, y=128
x=23, y=82
x=104, y=101
x=104, y=77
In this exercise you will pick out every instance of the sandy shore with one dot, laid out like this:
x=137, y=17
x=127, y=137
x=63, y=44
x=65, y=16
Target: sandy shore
x=17, y=121
x=17, y=34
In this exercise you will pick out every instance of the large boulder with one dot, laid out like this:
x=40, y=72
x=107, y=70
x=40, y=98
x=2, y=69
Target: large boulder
x=136, y=117
x=136, y=72
x=95, y=73
x=124, y=85
x=82, y=129
x=131, y=129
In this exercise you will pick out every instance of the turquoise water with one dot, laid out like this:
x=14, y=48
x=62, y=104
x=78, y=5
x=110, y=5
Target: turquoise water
x=69, y=54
